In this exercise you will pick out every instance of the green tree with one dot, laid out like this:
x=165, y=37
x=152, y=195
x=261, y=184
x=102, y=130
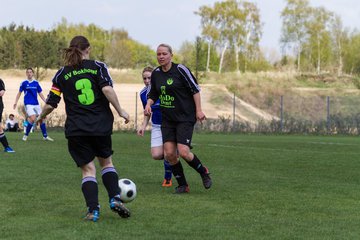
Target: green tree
x=234, y=29
x=209, y=32
x=123, y=52
x=141, y=55
x=114, y=46
x=22, y=47
x=98, y=37
x=223, y=21
x=234, y=25
x=41, y=50
x=194, y=55
x=294, y=33
x=187, y=54
x=339, y=37
x=319, y=36
x=248, y=42
x=352, y=54
x=10, y=46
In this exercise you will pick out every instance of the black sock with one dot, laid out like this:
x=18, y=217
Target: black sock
x=178, y=173
x=3, y=140
x=111, y=181
x=89, y=188
x=197, y=165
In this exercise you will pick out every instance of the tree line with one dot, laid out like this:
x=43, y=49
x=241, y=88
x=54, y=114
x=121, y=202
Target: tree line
x=312, y=39
x=22, y=46
x=318, y=39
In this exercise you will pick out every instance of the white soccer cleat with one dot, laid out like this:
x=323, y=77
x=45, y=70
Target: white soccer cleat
x=48, y=139
x=24, y=138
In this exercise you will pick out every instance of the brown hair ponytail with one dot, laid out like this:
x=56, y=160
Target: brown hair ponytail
x=73, y=55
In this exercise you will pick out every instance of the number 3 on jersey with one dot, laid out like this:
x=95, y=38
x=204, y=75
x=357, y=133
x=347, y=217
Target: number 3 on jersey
x=87, y=94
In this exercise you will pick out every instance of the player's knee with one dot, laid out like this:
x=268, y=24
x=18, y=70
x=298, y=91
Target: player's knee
x=157, y=153
x=171, y=157
x=105, y=162
x=88, y=170
x=184, y=152
x=157, y=156
x=32, y=118
x=185, y=155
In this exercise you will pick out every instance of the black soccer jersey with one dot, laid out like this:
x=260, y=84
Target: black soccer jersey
x=2, y=87
x=175, y=89
x=87, y=109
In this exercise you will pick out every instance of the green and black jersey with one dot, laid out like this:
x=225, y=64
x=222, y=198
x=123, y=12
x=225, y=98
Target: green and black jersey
x=175, y=89
x=87, y=109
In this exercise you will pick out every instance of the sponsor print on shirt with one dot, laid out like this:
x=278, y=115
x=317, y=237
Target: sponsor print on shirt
x=166, y=100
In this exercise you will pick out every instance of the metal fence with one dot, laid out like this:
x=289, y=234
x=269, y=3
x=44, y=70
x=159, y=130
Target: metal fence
x=282, y=114
x=294, y=114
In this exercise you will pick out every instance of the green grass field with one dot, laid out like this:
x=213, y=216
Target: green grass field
x=264, y=187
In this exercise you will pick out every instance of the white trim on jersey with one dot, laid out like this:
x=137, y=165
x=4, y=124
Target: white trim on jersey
x=57, y=75
x=103, y=65
x=148, y=90
x=145, y=89
x=188, y=77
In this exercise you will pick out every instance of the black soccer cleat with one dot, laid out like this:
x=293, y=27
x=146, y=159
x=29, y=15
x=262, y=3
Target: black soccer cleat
x=182, y=189
x=207, y=182
x=118, y=207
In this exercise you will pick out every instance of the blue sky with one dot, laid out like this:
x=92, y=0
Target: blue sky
x=157, y=21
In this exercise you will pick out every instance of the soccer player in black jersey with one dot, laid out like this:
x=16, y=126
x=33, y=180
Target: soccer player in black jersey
x=180, y=104
x=3, y=138
x=87, y=90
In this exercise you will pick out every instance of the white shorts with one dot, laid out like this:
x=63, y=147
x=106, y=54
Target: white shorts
x=156, y=137
x=33, y=110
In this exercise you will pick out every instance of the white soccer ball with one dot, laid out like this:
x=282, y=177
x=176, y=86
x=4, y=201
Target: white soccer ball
x=127, y=190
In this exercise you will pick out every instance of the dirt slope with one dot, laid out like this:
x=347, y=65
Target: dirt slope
x=129, y=99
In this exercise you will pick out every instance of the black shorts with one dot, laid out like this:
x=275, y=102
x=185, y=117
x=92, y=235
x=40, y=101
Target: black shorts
x=178, y=132
x=83, y=149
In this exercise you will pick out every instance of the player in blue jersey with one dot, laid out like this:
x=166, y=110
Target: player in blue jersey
x=3, y=138
x=157, y=150
x=31, y=89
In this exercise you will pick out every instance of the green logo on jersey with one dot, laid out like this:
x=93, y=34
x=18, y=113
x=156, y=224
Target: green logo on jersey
x=163, y=90
x=166, y=100
x=170, y=81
